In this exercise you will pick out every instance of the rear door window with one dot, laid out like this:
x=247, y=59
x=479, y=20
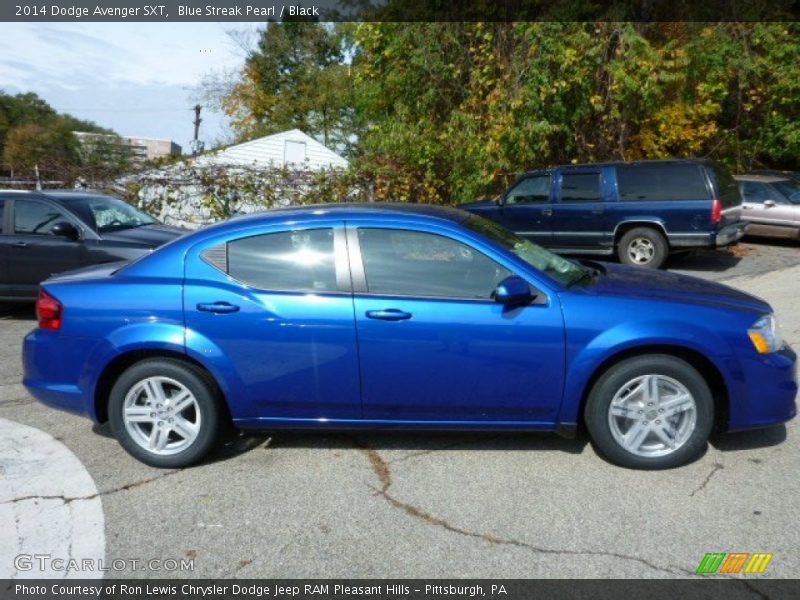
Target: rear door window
x=643, y=183
x=2, y=214
x=581, y=187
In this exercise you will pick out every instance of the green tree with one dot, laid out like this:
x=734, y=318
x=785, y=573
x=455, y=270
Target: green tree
x=30, y=109
x=445, y=112
x=454, y=110
x=28, y=146
x=32, y=134
x=295, y=78
x=103, y=156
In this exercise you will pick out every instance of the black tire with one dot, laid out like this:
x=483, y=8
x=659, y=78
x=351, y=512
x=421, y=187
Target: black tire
x=652, y=244
x=596, y=413
x=207, y=403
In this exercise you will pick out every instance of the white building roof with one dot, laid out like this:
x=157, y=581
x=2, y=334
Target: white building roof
x=287, y=148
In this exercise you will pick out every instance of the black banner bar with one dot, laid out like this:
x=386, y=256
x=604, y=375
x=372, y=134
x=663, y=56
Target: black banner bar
x=733, y=588
x=397, y=10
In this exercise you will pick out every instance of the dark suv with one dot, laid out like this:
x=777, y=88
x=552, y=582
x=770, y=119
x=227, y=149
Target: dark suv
x=641, y=210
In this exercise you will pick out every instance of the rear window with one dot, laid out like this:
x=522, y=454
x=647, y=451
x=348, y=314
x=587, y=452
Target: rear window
x=642, y=183
x=724, y=185
x=289, y=261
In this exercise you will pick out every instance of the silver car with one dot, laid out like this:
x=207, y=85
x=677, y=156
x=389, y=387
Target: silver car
x=771, y=205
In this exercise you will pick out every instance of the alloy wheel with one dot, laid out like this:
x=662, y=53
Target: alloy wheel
x=161, y=415
x=652, y=415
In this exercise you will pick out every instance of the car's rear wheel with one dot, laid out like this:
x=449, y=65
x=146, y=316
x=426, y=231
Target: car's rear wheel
x=165, y=413
x=650, y=412
x=643, y=247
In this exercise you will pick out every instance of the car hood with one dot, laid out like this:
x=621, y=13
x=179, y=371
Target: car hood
x=650, y=283
x=146, y=235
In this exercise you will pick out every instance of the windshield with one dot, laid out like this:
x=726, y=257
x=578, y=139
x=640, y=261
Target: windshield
x=106, y=213
x=790, y=189
x=562, y=270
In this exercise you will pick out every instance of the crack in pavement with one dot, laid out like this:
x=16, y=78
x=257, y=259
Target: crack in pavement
x=382, y=471
x=749, y=585
x=17, y=401
x=419, y=453
x=717, y=467
x=70, y=499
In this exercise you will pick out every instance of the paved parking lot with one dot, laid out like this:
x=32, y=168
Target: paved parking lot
x=402, y=504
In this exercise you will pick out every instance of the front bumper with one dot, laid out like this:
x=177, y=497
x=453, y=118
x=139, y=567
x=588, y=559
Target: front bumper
x=770, y=391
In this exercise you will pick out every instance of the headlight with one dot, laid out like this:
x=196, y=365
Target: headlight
x=766, y=335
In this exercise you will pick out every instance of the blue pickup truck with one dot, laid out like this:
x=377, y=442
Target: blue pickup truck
x=640, y=210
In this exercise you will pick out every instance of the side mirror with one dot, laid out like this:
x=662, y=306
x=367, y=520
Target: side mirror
x=769, y=203
x=65, y=229
x=513, y=291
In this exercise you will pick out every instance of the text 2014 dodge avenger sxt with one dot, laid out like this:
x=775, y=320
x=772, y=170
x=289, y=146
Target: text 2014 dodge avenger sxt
x=403, y=316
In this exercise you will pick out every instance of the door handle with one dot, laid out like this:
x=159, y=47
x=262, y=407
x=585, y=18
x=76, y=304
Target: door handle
x=218, y=307
x=19, y=245
x=598, y=211
x=389, y=314
x=547, y=212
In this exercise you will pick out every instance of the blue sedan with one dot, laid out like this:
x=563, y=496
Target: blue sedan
x=401, y=316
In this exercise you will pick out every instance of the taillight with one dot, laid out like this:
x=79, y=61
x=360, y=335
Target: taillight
x=716, y=211
x=48, y=311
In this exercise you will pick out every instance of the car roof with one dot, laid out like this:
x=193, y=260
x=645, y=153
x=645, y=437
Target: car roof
x=67, y=194
x=762, y=178
x=21, y=192
x=775, y=172
x=632, y=163
x=358, y=209
x=59, y=195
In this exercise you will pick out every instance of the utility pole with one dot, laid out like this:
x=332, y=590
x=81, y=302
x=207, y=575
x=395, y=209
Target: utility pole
x=197, y=146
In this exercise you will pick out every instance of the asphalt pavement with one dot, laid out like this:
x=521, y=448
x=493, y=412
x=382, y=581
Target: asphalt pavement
x=406, y=505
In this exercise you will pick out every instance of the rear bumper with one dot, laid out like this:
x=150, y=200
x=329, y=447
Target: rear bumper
x=730, y=234
x=51, y=373
x=726, y=236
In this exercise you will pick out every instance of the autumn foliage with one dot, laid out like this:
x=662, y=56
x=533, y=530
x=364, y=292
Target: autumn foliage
x=446, y=112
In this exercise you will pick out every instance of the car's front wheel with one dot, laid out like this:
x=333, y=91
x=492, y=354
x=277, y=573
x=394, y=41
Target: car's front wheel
x=165, y=413
x=650, y=412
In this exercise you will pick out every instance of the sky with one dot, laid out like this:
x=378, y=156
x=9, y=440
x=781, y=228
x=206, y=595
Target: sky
x=139, y=79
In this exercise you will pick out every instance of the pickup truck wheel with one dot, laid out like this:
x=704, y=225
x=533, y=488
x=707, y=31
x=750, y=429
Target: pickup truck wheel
x=643, y=247
x=650, y=412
